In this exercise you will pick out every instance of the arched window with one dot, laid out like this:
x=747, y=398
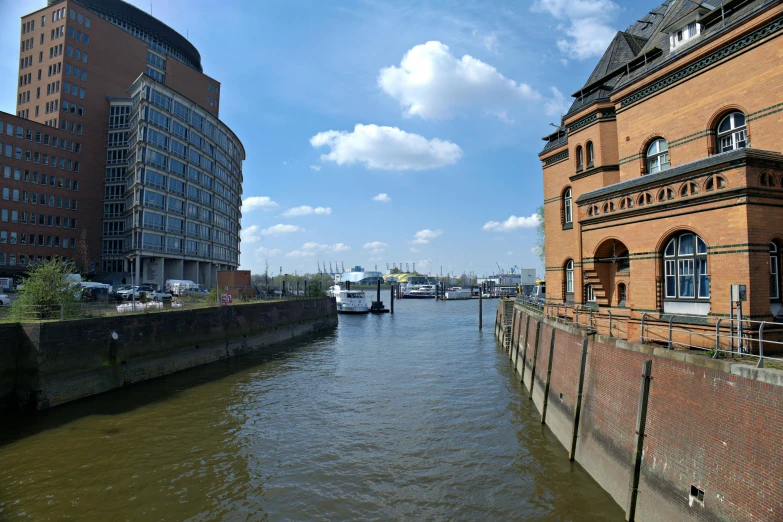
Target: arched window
x=774, y=272
x=658, y=156
x=685, y=268
x=689, y=188
x=665, y=194
x=767, y=180
x=732, y=133
x=645, y=199
x=579, y=158
x=713, y=182
x=567, y=207
x=589, y=294
x=590, y=154
x=569, y=277
x=621, y=294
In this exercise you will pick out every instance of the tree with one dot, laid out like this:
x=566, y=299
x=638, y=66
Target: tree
x=47, y=290
x=540, y=247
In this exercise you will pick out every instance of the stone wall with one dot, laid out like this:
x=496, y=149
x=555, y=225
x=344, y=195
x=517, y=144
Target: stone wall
x=709, y=424
x=61, y=361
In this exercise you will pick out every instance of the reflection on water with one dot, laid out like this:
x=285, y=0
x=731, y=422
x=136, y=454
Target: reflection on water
x=415, y=415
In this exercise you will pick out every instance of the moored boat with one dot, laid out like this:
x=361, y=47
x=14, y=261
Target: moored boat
x=349, y=301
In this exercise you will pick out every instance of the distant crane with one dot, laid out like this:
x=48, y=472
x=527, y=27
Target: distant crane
x=343, y=265
x=513, y=268
x=500, y=269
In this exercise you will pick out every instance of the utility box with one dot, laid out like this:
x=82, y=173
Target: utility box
x=236, y=283
x=739, y=293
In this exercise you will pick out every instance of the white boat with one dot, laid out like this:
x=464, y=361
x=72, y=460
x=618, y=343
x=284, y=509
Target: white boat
x=349, y=301
x=422, y=292
x=456, y=293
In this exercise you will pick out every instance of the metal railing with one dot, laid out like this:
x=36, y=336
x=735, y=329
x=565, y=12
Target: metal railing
x=718, y=337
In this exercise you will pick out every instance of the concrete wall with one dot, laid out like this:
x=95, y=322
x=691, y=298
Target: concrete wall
x=9, y=340
x=709, y=424
x=61, y=361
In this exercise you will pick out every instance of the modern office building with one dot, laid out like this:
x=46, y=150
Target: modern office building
x=662, y=186
x=115, y=84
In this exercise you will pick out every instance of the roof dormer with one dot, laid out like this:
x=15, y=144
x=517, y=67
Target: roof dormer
x=687, y=28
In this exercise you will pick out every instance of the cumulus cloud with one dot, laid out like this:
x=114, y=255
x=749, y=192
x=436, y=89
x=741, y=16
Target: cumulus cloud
x=386, y=148
x=557, y=105
x=251, y=234
x=512, y=223
x=509, y=253
x=270, y=252
x=383, y=198
x=277, y=230
x=376, y=247
x=414, y=250
x=586, y=23
x=252, y=203
x=422, y=237
x=316, y=168
x=310, y=249
x=306, y=210
x=433, y=84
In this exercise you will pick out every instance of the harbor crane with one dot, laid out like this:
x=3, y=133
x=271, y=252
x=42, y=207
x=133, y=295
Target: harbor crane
x=500, y=269
x=513, y=268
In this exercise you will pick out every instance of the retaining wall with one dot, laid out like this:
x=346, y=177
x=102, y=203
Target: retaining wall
x=60, y=361
x=708, y=424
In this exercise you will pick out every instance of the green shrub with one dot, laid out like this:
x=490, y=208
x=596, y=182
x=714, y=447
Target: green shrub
x=47, y=292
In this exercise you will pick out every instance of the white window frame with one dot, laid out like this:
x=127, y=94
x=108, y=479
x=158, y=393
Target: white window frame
x=728, y=139
x=658, y=156
x=774, y=272
x=589, y=293
x=569, y=271
x=568, y=216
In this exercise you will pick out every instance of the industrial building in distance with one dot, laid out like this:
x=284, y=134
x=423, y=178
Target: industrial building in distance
x=116, y=157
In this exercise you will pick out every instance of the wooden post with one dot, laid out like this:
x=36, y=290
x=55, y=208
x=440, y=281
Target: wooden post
x=535, y=360
x=480, y=317
x=392, y=296
x=578, y=408
x=641, y=422
x=548, y=377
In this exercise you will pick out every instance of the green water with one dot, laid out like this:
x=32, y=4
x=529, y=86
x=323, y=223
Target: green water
x=413, y=416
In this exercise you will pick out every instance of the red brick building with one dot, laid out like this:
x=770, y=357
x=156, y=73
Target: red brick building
x=78, y=61
x=663, y=186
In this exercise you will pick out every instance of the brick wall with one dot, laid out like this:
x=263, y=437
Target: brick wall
x=706, y=427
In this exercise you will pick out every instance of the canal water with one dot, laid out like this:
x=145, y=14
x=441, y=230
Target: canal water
x=412, y=416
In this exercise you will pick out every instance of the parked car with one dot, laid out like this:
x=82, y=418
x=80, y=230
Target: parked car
x=95, y=293
x=136, y=291
x=5, y=300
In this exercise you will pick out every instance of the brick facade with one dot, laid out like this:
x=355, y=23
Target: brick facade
x=624, y=216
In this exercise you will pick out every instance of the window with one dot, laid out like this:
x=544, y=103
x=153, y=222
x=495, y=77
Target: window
x=685, y=268
x=569, y=277
x=590, y=154
x=567, y=207
x=687, y=33
x=774, y=271
x=658, y=156
x=579, y=158
x=621, y=294
x=589, y=294
x=732, y=133
x=767, y=180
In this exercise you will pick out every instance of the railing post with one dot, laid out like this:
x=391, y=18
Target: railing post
x=761, y=345
x=610, y=323
x=641, y=338
x=717, y=338
x=592, y=324
x=671, y=318
x=576, y=316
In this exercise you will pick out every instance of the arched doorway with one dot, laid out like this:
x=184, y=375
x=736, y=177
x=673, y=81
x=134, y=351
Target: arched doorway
x=611, y=270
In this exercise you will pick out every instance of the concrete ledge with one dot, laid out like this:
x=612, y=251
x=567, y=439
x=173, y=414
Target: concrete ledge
x=768, y=376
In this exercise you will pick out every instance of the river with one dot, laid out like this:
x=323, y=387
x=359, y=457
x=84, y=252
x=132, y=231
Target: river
x=412, y=416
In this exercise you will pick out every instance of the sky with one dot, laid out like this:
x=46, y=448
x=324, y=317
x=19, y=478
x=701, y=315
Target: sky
x=385, y=132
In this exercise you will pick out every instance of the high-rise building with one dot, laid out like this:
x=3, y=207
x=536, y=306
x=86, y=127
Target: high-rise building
x=116, y=117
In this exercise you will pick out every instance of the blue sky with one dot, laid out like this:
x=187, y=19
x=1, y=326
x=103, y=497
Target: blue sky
x=439, y=106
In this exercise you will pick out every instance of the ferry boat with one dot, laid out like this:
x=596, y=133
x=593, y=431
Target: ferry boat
x=456, y=293
x=349, y=301
x=421, y=292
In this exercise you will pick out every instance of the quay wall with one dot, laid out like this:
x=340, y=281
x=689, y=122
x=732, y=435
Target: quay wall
x=55, y=362
x=709, y=424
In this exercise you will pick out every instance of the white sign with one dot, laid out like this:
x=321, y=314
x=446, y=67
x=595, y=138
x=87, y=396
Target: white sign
x=6, y=283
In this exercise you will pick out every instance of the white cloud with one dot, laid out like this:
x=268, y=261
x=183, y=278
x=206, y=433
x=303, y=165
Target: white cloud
x=536, y=250
x=383, y=198
x=434, y=84
x=415, y=250
x=310, y=249
x=252, y=203
x=587, y=25
x=316, y=168
x=276, y=230
x=422, y=237
x=306, y=210
x=251, y=234
x=509, y=253
x=557, y=105
x=512, y=223
x=270, y=252
x=386, y=148
x=376, y=247
x=491, y=43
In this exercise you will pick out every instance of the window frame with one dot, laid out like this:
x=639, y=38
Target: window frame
x=654, y=158
x=686, y=267
x=734, y=132
x=568, y=208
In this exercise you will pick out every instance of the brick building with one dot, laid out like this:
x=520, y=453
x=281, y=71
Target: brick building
x=90, y=70
x=663, y=184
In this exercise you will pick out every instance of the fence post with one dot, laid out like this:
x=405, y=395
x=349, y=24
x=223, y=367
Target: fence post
x=717, y=338
x=761, y=345
x=671, y=318
x=576, y=316
x=592, y=324
x=610, y=323
x=62, y=312
x=641, y=339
